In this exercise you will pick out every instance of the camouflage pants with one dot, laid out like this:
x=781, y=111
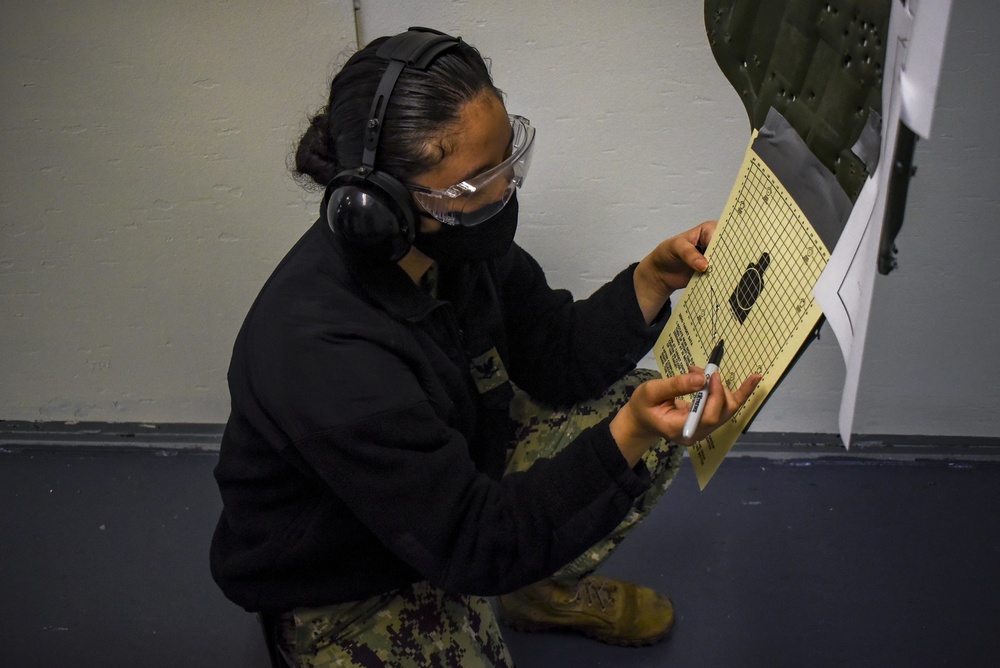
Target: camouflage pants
x=542, y=432
x=422, y=625
x=412, y=627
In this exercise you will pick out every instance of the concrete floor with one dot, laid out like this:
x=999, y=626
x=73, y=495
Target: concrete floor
x=782, y=561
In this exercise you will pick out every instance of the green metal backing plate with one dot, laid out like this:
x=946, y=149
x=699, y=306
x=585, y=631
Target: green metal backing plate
x=818, y=63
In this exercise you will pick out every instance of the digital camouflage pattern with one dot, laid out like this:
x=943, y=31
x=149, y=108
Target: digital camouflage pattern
x=421, y=625
x=542, y=432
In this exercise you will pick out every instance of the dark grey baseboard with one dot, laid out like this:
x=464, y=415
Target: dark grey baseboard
x=798, y=445
x=19, y=435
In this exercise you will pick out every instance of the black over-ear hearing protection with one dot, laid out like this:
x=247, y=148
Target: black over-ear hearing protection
x=372, y=208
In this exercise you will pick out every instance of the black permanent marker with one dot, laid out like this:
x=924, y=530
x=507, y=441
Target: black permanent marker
x=699, y=398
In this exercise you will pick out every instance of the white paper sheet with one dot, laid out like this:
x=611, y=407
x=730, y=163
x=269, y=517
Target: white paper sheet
x=921, y=69
x=844, y=290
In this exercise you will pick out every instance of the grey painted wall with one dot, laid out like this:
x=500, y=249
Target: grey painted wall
x=144, y=197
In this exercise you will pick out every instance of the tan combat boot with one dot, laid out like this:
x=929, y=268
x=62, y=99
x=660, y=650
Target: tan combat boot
x=612, y=611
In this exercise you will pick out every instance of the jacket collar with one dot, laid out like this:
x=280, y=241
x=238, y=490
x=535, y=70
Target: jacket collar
x=385, y=283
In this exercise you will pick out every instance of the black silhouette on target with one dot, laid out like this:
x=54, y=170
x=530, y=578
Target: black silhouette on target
x=749, y=288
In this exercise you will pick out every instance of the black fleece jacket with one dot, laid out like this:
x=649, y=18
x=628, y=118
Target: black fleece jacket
x=365, y=446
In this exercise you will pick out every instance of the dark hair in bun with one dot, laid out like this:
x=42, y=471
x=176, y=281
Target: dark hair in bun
x=422, y=108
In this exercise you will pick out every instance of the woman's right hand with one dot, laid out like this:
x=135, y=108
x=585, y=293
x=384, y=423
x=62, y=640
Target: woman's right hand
x=655, y=411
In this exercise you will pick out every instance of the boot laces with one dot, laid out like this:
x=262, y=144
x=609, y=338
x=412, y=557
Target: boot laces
x=601, y=593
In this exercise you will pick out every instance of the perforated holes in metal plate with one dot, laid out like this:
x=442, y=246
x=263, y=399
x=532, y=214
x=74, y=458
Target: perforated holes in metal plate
x=817, y=62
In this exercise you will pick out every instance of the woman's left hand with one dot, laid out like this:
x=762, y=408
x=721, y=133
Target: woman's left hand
x=669, y=267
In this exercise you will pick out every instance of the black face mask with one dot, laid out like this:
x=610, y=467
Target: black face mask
x=489, y=239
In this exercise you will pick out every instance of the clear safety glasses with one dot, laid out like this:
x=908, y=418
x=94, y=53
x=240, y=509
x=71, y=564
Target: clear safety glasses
x=473, y=201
